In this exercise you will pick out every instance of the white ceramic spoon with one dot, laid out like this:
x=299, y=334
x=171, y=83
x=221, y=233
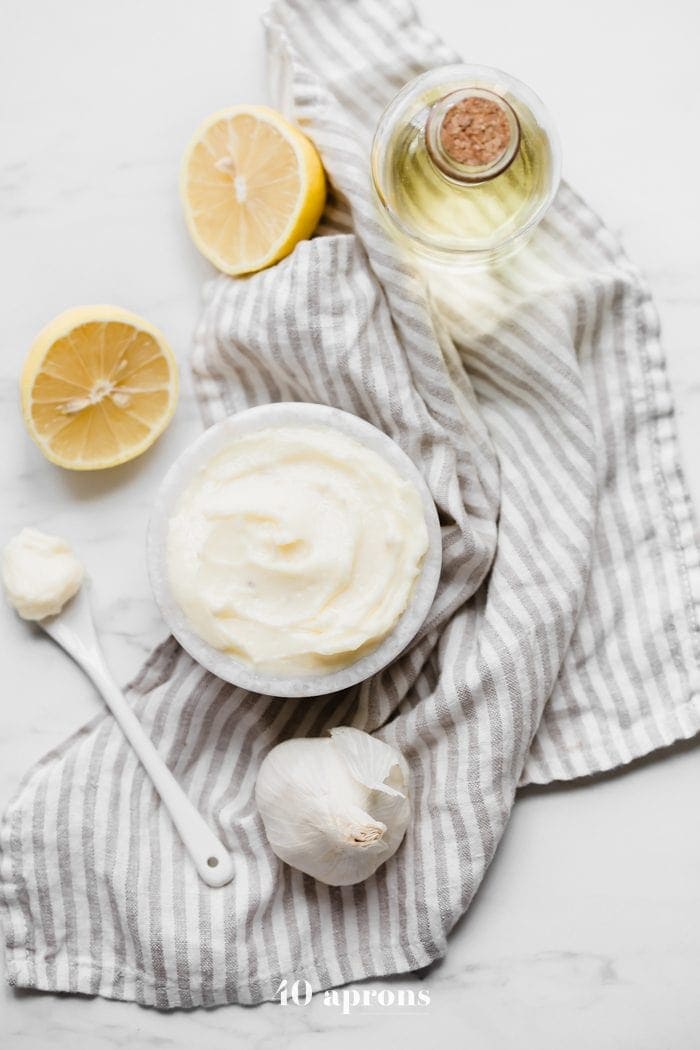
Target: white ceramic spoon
x=74, y=630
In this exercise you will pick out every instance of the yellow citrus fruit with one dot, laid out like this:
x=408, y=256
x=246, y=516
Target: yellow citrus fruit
x=99, y=385
x=252, y=187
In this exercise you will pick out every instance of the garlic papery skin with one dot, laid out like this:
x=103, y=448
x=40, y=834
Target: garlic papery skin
x=334, y=807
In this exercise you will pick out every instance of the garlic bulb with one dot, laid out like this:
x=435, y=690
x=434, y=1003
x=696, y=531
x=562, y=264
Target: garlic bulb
x=334, y=807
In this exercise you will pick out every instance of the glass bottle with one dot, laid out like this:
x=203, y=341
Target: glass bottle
x=465, y=163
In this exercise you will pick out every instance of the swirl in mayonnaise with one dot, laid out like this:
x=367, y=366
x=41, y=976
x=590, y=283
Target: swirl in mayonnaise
x=296, y=549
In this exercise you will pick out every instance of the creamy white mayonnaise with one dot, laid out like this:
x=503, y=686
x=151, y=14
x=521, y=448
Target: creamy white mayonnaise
x=40, y=573
x=296, y=549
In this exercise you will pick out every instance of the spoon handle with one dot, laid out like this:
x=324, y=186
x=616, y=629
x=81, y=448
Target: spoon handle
x=210, y=857
x=73, y=628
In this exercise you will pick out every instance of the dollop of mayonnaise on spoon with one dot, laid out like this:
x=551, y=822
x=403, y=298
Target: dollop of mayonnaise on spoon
x=40, y=574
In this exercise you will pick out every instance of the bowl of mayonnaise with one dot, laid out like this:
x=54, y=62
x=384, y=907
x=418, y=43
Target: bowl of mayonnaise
x=294, y=549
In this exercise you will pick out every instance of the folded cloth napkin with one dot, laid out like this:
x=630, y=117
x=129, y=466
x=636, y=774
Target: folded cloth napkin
x=563, y=639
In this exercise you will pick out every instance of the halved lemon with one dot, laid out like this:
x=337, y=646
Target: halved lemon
x=99, y=385
x=252, y=187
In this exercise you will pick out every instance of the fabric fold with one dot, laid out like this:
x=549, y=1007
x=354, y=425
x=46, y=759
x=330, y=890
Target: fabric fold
x=563, y=639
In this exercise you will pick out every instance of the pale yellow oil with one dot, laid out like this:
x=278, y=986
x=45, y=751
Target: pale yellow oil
x=436, y=210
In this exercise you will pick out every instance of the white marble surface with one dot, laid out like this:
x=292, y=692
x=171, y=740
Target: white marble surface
x=587, y=929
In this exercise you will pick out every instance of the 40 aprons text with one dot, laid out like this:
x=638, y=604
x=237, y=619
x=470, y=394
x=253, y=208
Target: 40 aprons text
x=299, y=993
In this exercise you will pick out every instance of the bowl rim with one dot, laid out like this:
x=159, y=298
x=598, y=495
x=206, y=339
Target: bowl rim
x=193, y=459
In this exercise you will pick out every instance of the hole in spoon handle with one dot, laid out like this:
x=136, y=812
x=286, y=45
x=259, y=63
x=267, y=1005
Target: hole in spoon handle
x=212, y=860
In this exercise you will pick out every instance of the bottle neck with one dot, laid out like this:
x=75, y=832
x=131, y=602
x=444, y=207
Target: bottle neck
x=472, y=135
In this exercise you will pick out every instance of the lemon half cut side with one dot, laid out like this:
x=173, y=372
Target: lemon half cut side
x=99, y=385
x=252, y=187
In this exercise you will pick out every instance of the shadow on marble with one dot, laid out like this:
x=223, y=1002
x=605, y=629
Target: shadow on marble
x=90, y=485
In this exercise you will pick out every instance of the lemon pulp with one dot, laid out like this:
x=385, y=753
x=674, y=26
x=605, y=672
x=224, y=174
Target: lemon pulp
x=99, y=385
x=252, y=187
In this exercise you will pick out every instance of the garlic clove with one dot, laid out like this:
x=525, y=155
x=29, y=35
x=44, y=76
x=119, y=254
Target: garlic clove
x=326, y=807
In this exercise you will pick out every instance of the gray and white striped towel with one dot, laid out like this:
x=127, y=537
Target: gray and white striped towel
x=563, y=639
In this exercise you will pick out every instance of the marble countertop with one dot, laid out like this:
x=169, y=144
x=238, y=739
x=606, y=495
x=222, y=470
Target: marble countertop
x=586, y=931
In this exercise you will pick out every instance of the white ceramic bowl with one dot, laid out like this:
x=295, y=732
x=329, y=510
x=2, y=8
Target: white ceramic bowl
x=223, y=664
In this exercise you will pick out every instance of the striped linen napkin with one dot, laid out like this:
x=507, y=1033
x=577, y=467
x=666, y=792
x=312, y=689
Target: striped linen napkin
x=563, y=639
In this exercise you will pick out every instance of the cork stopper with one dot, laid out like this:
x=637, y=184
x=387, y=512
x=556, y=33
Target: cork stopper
x=472, y=135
